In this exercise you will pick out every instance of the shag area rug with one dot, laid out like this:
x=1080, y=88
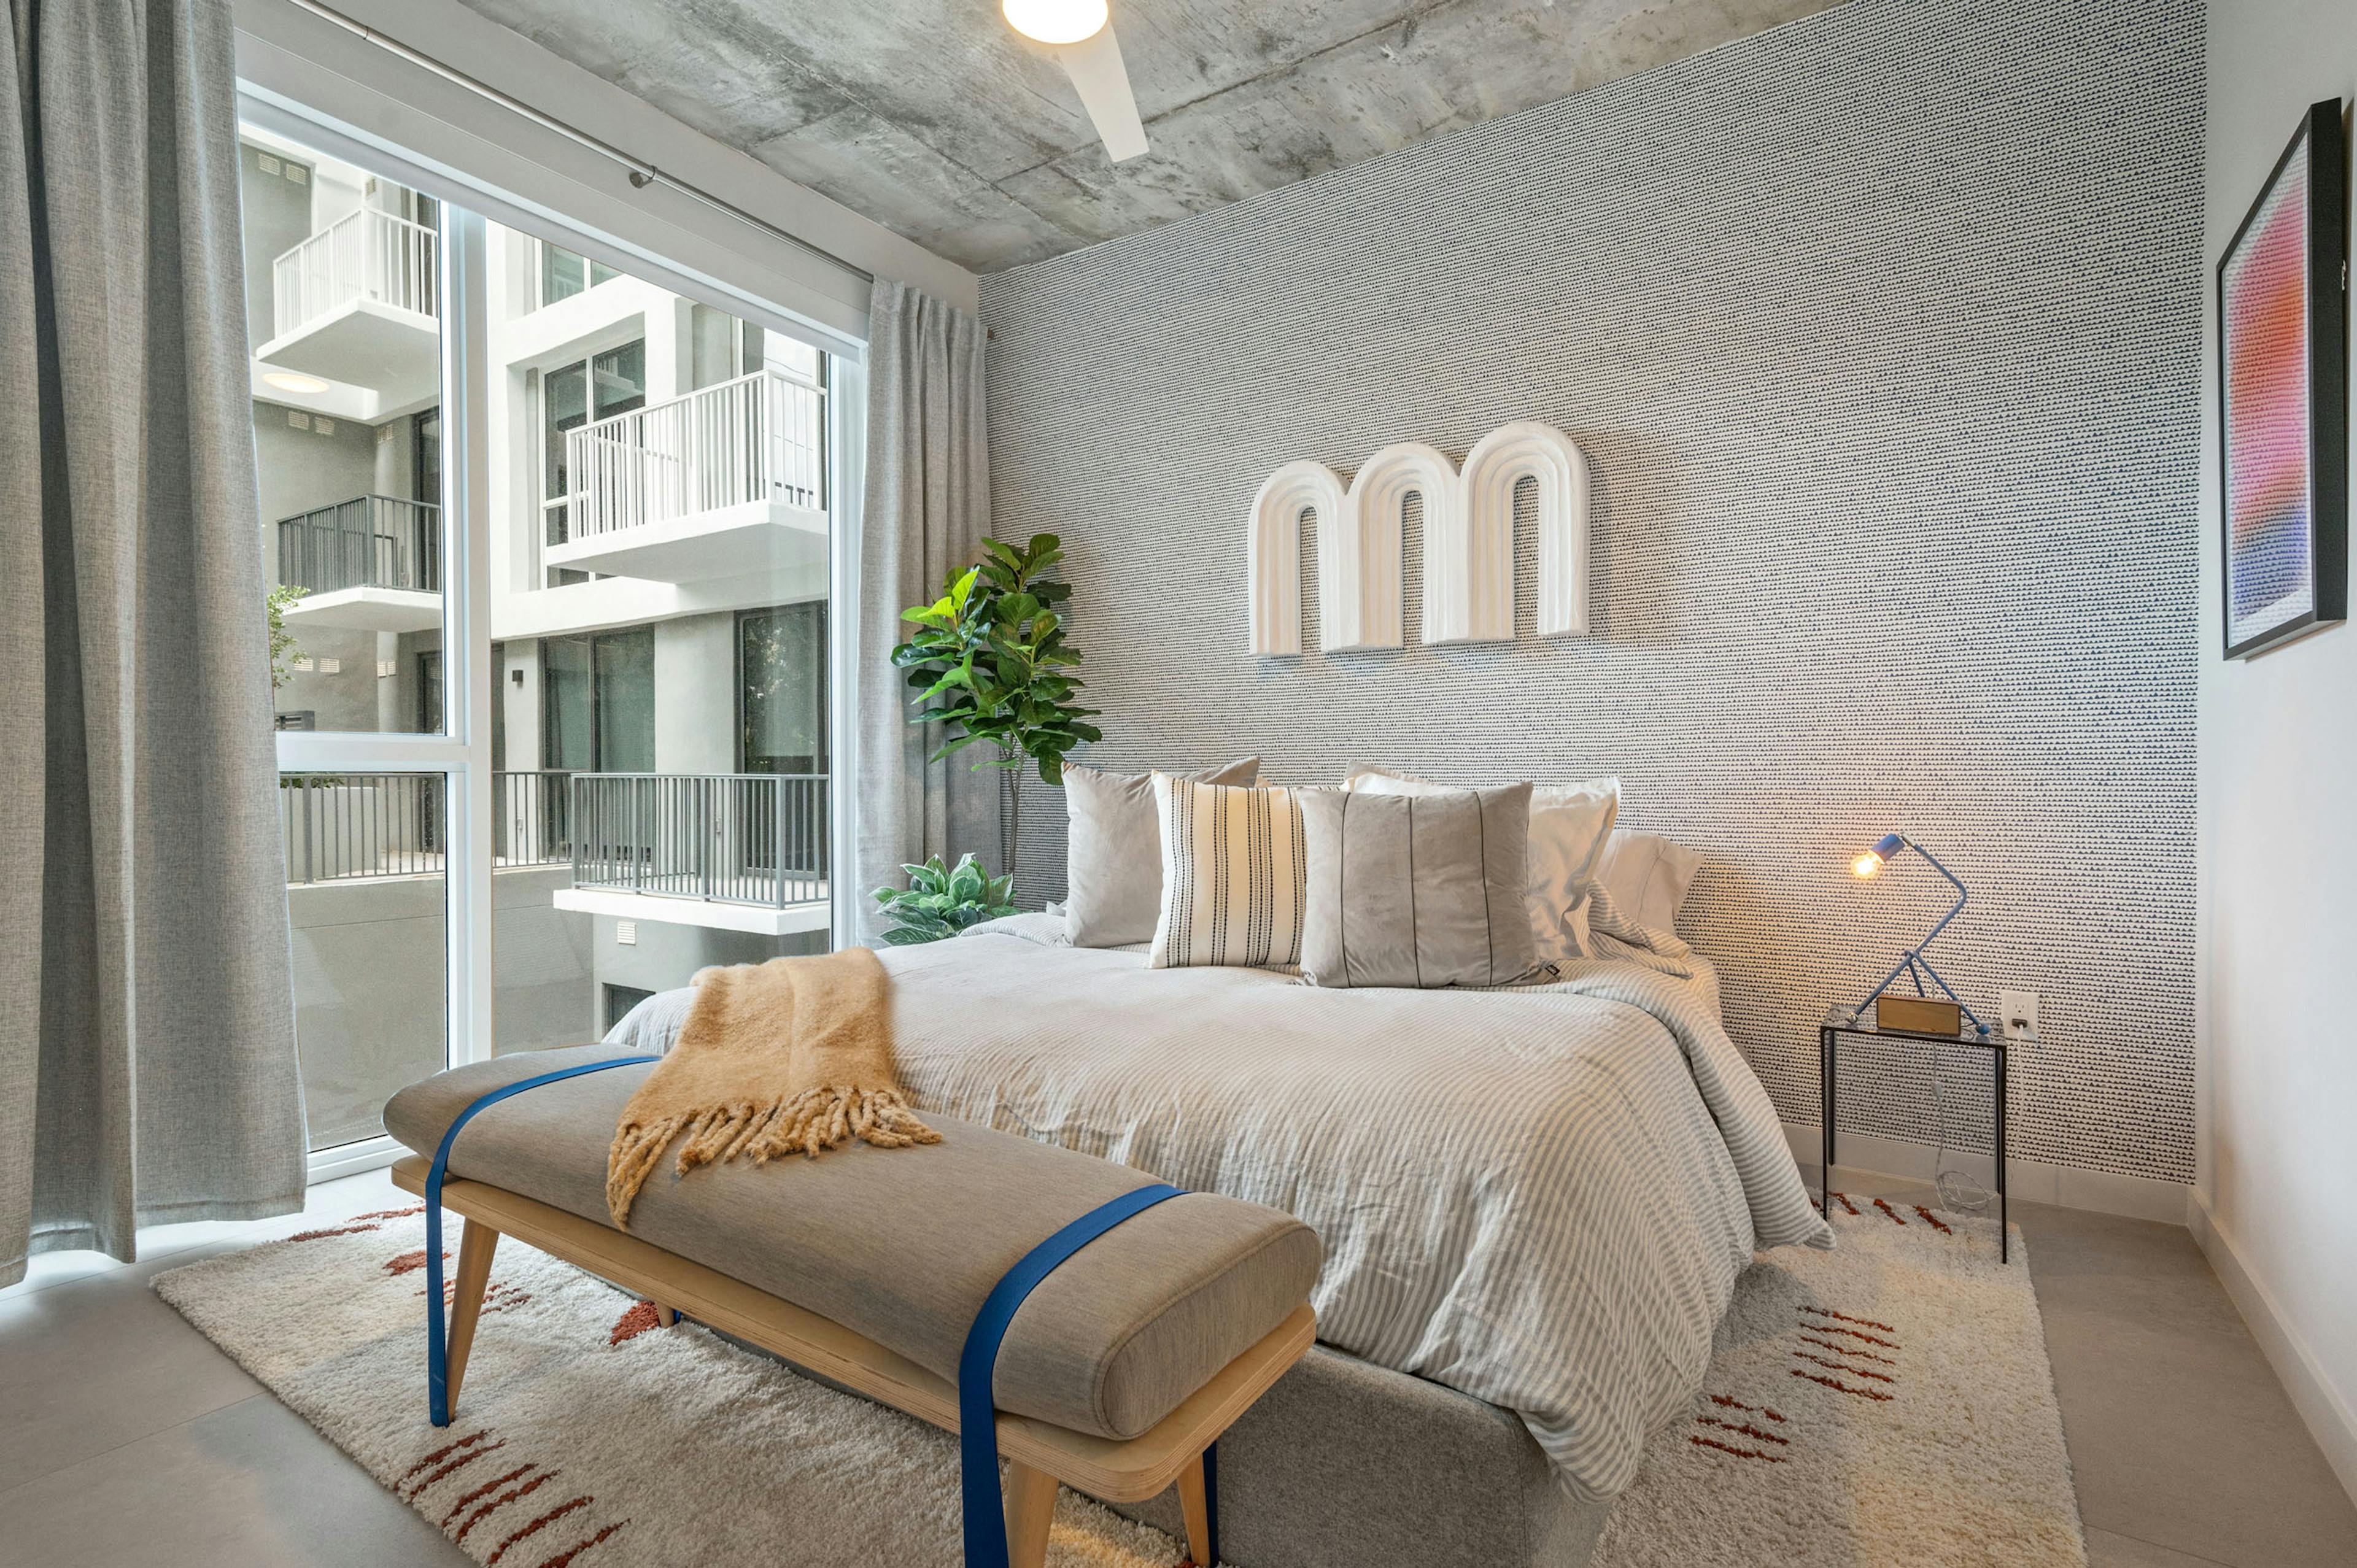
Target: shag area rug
x=1886, y=1403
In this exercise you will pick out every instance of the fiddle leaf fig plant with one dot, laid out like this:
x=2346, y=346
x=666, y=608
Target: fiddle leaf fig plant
x=941, y=901
x=989, y=664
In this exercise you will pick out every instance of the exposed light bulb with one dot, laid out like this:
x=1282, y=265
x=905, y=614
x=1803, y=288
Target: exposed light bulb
x=294, y=381
x=1866, y=865
x=1057, y=21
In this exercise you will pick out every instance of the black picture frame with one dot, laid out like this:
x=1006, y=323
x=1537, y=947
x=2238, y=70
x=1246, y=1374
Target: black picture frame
x=2320, y=149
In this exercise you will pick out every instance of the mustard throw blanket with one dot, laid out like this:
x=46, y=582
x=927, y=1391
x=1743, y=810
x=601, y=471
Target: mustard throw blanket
x=788, y=1056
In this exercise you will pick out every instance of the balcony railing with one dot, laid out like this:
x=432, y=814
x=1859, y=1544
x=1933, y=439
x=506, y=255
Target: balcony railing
x=364, y=254
x=343, y=827
x=761, y=437
x=373, y=541
x=734, y=838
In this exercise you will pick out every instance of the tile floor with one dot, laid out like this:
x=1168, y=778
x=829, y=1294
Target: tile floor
x=127, y=1440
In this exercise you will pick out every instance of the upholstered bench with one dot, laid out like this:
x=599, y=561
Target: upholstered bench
x=869, y=1267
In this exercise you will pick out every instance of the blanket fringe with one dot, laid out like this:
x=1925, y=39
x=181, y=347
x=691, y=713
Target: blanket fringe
x=808, y=1123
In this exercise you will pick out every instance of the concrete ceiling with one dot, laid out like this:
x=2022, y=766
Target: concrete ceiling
x=935, y=119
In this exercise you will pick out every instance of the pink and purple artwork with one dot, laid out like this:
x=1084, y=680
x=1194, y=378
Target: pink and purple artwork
x=2270, y=489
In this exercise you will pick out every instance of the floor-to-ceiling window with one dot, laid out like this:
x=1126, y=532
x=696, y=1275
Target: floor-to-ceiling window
x=550, y=630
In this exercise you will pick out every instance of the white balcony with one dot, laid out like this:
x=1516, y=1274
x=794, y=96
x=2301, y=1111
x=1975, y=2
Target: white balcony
x=726, y=480
x=355, y=303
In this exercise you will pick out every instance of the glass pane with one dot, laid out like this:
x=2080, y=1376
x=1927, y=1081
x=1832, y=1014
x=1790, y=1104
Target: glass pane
x=344, y=321
x=693, y=660
x=564, y=405
x=365, y=899
x=561, y=275
x=621, y=377
x=625, y=665
x=569, y=717
x=782, y=658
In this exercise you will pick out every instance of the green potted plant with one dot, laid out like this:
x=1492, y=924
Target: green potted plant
x=990, y=665
x=941, y=901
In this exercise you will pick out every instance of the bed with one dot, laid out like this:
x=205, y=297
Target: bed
x=1534, y=1201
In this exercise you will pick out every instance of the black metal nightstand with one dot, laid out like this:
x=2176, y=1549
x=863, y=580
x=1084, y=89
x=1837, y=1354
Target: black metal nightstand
x=1840, y=1021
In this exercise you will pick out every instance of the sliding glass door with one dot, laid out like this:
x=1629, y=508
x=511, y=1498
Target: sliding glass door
x=552, y=547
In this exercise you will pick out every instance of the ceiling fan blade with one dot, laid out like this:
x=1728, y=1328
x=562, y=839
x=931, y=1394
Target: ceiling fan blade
x=1103, y=81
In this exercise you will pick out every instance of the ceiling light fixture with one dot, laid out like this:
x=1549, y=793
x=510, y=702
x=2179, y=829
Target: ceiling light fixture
x=1057, y=21
x=294, y=381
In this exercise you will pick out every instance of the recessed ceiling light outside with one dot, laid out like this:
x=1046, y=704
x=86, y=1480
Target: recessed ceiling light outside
x=1057, y=21
x=290, y=380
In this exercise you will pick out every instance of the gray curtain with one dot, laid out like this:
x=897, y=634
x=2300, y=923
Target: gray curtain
x=147, y=1070
x=925, y=509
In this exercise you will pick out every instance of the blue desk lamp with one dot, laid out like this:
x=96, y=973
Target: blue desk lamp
x=1889, y=847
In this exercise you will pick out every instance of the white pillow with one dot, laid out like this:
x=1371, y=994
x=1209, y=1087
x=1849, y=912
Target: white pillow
x=1235, y=875
x=1648, y=877
x=1569, y=825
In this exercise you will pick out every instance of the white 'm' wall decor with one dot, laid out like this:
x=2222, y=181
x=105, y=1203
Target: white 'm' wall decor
x=1273, y=574
x=1468, y=543
x=1504, y=459
x=1359, y=572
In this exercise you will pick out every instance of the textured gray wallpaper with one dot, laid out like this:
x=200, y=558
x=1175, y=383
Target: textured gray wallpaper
x=1881, y=333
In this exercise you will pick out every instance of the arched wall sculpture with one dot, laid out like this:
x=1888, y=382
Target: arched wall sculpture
x=1273, y=574
x=1359, y=582
x=1468, y=543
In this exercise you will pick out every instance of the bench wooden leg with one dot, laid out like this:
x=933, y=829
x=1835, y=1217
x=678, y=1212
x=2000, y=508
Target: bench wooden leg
x=1030, y=1508
x=475, y=1250
x=664, y=1315
x=1195, y=1509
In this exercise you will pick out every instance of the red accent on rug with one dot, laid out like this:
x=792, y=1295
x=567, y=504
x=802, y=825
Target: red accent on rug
x=1843, y=1198
x=464, y=1503
x=337, y=1231
x=1933, y=1221
x=1839, y=1367
x=1862, y=1394
x=1846, y=1350
x=503, y=1500
x=1855, y=1333
x=409, y=1262
x=1885, y=1209
x=1845, y=1317
x=1743, y=1427
x=543, y=1522
x=1731, y=1448
x=460, y=1462
x=633, y=1322
x=439, y=1454
x=1739, y=1405
x=562, y=1558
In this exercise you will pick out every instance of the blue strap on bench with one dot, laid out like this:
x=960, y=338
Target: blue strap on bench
x=986, y=1508
x=438, y=1351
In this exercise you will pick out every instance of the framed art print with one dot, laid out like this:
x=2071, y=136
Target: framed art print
x=2283, y=390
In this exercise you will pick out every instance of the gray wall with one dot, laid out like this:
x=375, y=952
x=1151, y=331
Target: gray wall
x=1880, y=332
x=2278, y=842
x=664, y=956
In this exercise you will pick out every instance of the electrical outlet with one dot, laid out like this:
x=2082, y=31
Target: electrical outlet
x=2019, y=1011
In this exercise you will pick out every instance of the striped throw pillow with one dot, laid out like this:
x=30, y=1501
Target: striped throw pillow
x=1235, y=874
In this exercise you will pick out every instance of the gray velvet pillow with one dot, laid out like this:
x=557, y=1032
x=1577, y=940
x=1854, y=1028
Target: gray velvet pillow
x=1113, y=852
x=1416, y=890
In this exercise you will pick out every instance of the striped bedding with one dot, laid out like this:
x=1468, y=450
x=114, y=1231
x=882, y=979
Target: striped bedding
x=1540, y=1196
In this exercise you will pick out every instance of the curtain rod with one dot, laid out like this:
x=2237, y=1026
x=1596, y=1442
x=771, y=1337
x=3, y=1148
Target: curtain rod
x=642, y=173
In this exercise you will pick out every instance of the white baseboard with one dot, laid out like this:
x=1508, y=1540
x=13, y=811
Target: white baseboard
x=2032, y=1181
x=2330, y=1420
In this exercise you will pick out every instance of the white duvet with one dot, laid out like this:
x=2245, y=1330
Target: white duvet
x=1539, y=1196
